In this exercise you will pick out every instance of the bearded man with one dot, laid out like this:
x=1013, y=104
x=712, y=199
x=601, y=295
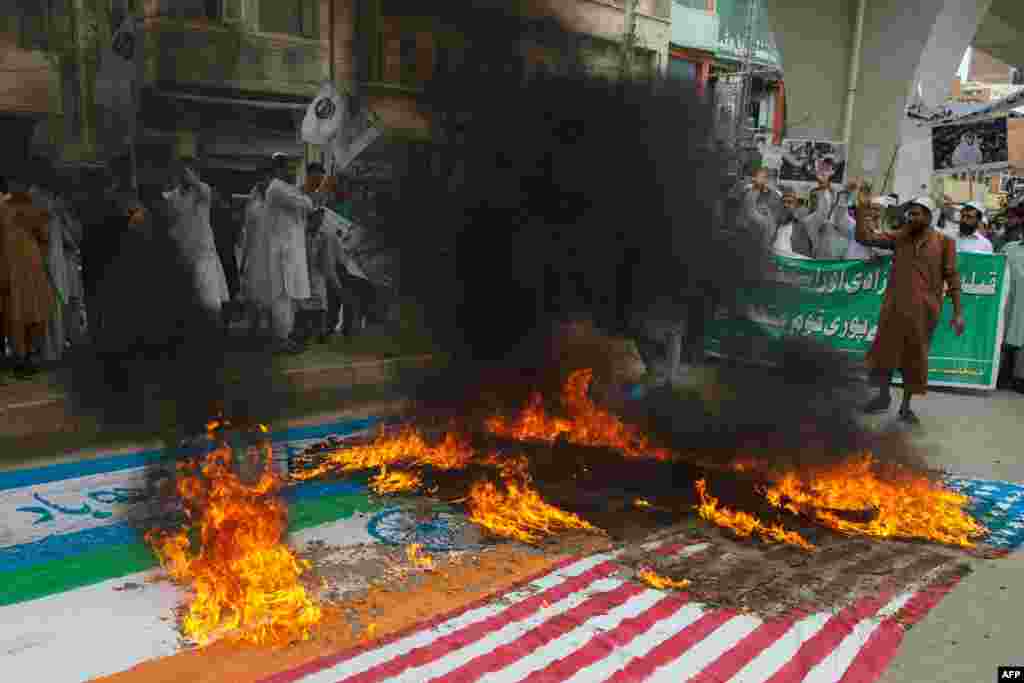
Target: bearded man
x=791, y=238
x=968, y=235
x=923, y=267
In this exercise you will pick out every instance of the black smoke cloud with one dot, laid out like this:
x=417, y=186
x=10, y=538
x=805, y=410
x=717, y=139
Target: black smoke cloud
x=556, y=194
x=548, y=195
x=162, y=366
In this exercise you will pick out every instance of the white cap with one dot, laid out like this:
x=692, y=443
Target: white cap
x=925, y=202
x=977, y=207
x=884, y=201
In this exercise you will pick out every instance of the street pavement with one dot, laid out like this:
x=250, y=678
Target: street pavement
x=976, y=628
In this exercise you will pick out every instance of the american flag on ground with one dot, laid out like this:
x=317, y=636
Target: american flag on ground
x=582, y=621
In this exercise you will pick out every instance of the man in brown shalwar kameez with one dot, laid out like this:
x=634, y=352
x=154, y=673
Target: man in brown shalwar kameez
x=923, y=266
x=26, y=295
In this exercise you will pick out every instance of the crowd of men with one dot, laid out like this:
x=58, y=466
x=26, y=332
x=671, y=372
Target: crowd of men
x=292, y=261
x=823, y=226
x=826, y=227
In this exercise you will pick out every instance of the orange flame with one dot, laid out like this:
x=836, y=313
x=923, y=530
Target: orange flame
x=906, y=504
x=392, y=481
x=655, y=580
x=518, y=511
x=742, y=523
x=587, y=424
x=245, y=580
x=408, y=447
x=418, y=559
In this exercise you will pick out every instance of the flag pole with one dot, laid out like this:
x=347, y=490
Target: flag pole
x=140, y=74
x=329, y=152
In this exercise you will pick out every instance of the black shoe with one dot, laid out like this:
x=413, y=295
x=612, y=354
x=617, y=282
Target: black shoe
x=908, y=416
x=879, y=404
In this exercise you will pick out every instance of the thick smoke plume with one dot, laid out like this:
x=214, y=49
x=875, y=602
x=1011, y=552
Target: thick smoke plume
x=162, y=365
x=548, y=195
x=557, y=195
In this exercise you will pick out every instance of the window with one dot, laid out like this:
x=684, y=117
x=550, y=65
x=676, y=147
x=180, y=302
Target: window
x=232, y=10
x=442, y=60
x=33, y=20
x=682, y=69
x=407, y=55
x=693, y=4
x=191, y=9
x=71, y=96
x=294, y=17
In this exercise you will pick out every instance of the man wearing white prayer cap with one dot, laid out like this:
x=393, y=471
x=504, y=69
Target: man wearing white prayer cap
x=923, y=267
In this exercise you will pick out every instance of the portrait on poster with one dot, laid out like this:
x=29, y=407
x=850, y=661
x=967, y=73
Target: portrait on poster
x=980, y=145
x=804, y=160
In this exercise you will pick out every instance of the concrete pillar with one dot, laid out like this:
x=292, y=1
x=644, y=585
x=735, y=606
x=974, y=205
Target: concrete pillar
x=906, y=44
x=951, y=35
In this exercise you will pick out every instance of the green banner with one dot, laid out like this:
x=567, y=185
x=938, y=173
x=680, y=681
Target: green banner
x=838, y=303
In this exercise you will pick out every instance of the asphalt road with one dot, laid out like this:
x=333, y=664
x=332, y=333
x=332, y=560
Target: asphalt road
x=978, y=626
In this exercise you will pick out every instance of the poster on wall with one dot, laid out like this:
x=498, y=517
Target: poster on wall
x=970, y=147
x=804, y=159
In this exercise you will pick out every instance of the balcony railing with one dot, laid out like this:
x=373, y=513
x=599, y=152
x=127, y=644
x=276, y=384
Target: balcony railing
x=655, y=8
x=694, y=28
x=217, y=55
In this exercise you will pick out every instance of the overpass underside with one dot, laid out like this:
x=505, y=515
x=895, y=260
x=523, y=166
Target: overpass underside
x=910, y=50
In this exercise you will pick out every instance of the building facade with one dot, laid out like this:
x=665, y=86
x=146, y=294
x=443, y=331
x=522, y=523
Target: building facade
x=228, y=81
x=708, y=46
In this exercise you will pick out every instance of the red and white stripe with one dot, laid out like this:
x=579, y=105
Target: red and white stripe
x=580, y=623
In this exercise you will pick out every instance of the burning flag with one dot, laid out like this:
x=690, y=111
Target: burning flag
x=516, y=510
x=744, y=524
x=419, y=559
x=246, y=581
x=900, y=503
x=655, y=580
x=586, y=423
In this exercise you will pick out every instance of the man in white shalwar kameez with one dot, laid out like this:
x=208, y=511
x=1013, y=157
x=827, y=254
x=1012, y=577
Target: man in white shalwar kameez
x=190, y=205
x=255, y=259
x=286, y=211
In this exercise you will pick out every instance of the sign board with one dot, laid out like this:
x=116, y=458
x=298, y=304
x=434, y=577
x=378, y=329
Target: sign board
x=970, y=147
x=804, y=159
x=838, y=303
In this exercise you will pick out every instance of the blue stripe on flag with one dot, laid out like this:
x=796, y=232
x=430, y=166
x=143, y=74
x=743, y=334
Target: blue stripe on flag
x=63, y=546
x=72, y=470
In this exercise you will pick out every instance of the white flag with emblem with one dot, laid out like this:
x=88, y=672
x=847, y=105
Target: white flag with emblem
x=324, y=116
x=360, y=130
x=115, y=81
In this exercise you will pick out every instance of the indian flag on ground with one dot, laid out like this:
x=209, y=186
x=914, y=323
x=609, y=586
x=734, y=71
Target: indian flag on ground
x=71, y=561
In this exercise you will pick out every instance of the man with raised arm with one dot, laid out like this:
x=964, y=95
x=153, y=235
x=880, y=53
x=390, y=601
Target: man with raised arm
x=190, y=202
x=923, y=268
